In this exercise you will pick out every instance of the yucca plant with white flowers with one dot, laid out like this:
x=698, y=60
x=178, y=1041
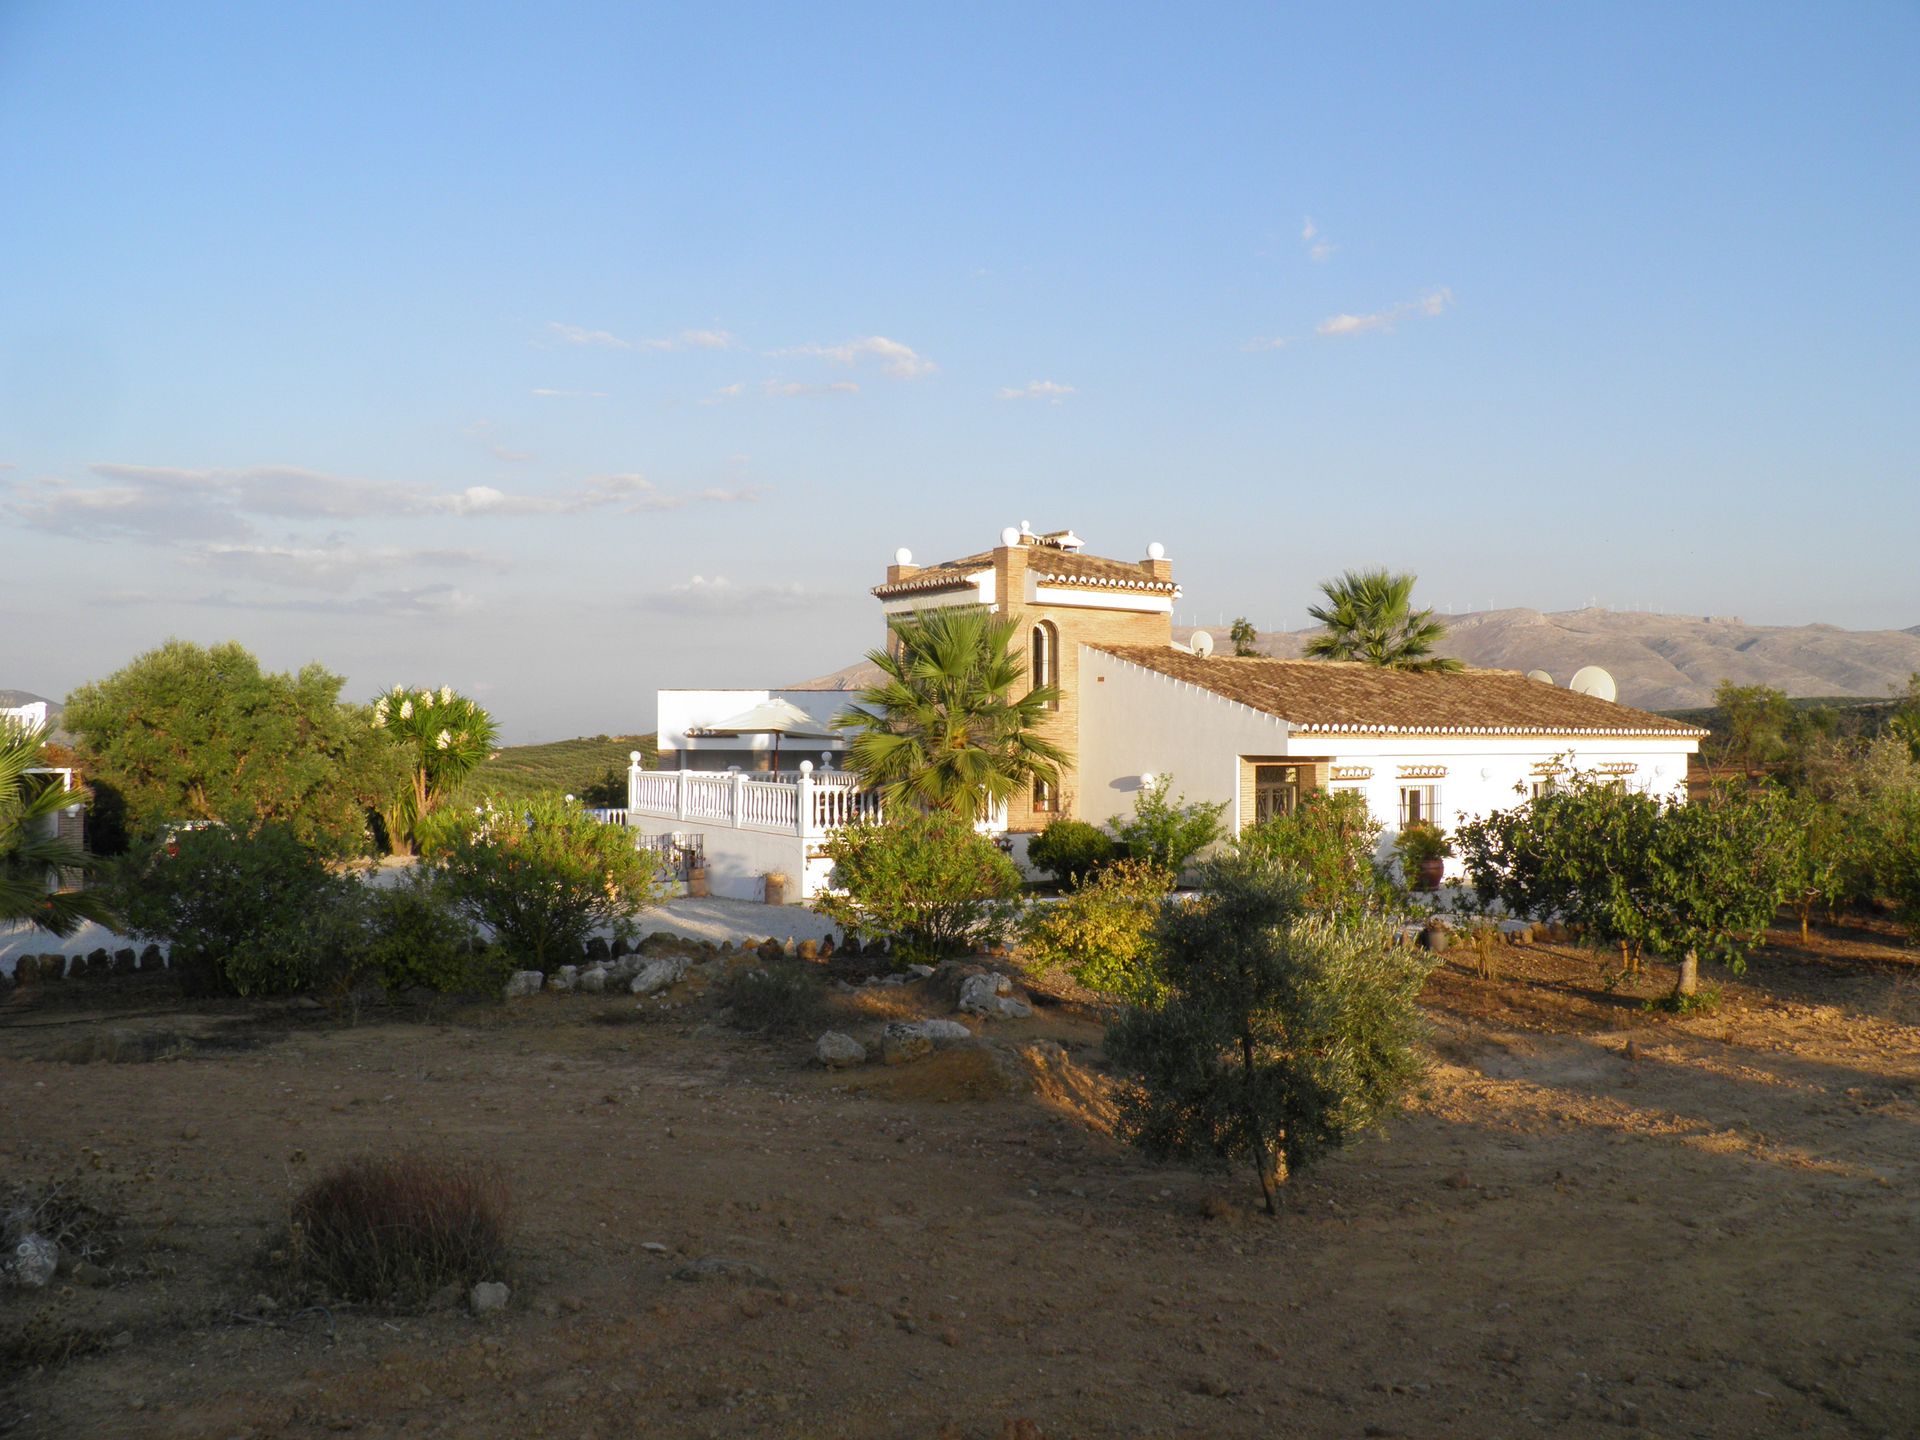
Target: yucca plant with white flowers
x=445, y=736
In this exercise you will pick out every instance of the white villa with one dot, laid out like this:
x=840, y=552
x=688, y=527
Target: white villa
x=753, y=773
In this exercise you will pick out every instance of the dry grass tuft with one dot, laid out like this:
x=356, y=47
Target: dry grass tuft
x=391, y=1231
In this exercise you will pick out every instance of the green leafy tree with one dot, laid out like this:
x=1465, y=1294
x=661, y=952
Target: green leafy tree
x=541, y=874
x=1282, y=1037
x=925, y=879
x=1820, y=858
x=1070, y=851
x=1758, y=725
x=1677, y=880
x=32, y=856
x=1103, y=932
x=244, y=912
x=1166, y=832
x=1904, y=724
x=1891, y=844
x=444, y=737
x=421, y=938
x=1327, y=845
x=1245, y=639
x=944, y=728
x=190, y=733
x=1369, y=617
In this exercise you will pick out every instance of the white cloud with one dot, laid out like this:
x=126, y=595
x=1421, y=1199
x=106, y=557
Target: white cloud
x=718, y=595
x=1433, y=303
x=547, y=394
x=580, y=335
x=1051, y=391
x=1308, y=230
x=169, y=505
x=1320, y=251
x=725, y=393
x=330, y=564
x=788, y=388
x=898, y=360
x=1266, y=342
x=1318, y=248
x=416, y=600
x=482, y=430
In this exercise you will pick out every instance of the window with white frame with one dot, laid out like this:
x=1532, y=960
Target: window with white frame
x=1043, y=798
x=1419, y=804
x=1043, y=658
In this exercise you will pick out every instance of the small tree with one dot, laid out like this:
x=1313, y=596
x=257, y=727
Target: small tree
x=927, y=880
x=443, y=738
x=542, y=875
x=1166, y=832
x=244, y=912
x=1820, y=859
x=1245, y=639
x=1102, y=933
x=1070, y=851
x=1327, y=844
x=1283, y=1036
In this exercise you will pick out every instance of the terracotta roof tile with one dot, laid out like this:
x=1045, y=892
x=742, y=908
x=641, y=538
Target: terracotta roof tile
x=1335, y=697
x=1044, y=562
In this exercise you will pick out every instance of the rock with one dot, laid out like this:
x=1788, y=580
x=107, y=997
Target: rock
x=26, y=970
x=563, y=979
x=151, y=958
x=718, y=1267
x=943, y=1031
x=85, y=1272
x=524, y=982
x=920, y=972
x=990, y=994
x=619, y=947
x=1435, y=936
x=488, y=1295
x=592, y=980
x=125, y=962
x=99, y=962
x=54, y=967
x=901, y=1043
x=597, y=949
x=808, y=950
x=657, y=975
x=851, y=946
x=33, y=1262
x=771, y=949
x=624, y=969
x=837, y=1051
x=827, y=948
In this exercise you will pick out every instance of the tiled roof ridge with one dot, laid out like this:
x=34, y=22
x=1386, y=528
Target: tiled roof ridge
x=1370, y=699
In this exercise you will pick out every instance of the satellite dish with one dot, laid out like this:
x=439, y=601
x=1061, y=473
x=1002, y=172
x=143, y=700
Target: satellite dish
x=1541, y=676
x=1010, y=536
x=1592, y=680
x=1201, y=643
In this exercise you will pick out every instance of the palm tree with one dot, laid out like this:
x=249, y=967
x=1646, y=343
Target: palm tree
x=30, y=855
x=943, y=730
x=1370, y=617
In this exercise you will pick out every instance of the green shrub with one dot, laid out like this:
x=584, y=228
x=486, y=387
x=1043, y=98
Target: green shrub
x=541, y=874
x=247, y=913
x=1166, y=832
x=1102, y=934
x=781, y=998
x=1282, y=1035
x=929, y=882
x=1070, y=851
x=1327, y=844
x=420, y=937
x=392, y=1231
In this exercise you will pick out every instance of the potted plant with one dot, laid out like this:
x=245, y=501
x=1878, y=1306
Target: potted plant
x=1423, y=849
x=777, y=883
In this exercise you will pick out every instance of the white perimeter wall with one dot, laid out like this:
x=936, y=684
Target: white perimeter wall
x=1137, y=721
x=738, y=860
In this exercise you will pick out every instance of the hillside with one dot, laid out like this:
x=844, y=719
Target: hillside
x=570, y=767
x=1660, y=662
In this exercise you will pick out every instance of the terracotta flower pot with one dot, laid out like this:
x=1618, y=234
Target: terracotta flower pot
x=1432, y=872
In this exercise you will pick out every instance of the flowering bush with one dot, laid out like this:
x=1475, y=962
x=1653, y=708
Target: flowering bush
x=1103, y=933
x=445, y=737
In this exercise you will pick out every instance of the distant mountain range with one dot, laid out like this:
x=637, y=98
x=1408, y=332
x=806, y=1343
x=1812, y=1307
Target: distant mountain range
x=11, y=698
x=1658, y=662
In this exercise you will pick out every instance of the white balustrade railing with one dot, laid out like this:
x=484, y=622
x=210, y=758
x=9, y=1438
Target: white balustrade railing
x=810, y=804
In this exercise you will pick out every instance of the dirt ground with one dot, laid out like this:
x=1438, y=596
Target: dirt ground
x=1597, y=1220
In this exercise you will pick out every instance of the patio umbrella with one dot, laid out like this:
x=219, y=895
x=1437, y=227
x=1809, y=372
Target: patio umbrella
x=779, y=718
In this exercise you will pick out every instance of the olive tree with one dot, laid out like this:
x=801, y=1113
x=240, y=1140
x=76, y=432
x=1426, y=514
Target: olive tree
x=1282, y=1035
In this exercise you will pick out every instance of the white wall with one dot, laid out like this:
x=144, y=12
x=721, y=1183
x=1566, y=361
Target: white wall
x=1135, y=721
x=738, y=860
x=677, y=711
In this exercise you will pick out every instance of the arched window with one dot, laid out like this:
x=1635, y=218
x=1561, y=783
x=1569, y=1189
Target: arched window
x=1043, y=658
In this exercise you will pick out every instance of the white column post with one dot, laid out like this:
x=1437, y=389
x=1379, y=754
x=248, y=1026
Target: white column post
x=633, y=783
x=805, y=788
x=738, y=799
x=680, y=793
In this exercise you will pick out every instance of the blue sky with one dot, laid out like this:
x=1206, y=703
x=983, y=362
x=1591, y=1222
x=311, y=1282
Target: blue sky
x=560, y=352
